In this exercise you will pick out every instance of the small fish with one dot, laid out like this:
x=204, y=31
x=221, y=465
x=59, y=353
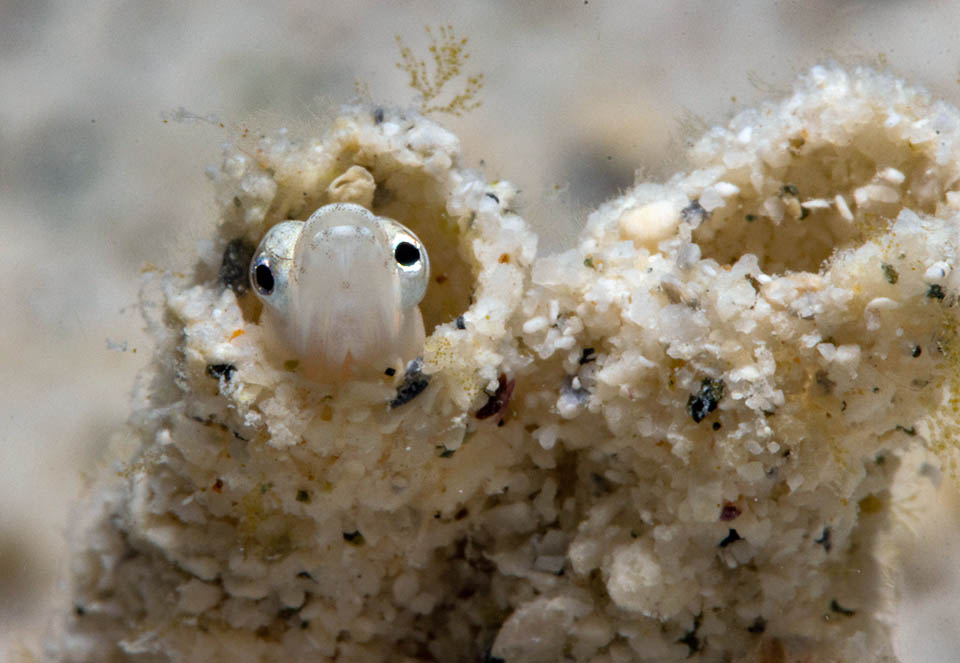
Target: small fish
x=341, y=291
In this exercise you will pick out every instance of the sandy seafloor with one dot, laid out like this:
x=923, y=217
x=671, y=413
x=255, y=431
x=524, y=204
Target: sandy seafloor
x=578, y=95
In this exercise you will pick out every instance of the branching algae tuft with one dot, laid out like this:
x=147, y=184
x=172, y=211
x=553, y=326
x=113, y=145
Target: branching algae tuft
x=448, y=55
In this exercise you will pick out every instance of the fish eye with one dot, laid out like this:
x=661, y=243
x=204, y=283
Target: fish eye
x=263, y=279
x=406, y=254
x=412, y=263
x=269, y=270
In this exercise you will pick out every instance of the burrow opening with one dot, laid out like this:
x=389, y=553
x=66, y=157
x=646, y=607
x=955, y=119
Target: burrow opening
x=414, y=199
x=827, y=198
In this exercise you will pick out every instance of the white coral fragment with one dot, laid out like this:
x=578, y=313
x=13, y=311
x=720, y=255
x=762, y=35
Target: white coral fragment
x=636, y=582
x=650, y=224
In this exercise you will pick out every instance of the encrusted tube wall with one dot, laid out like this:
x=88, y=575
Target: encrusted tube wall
x=676, y=439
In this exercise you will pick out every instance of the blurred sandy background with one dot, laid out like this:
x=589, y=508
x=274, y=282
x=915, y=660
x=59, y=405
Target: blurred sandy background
x=578, y=95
